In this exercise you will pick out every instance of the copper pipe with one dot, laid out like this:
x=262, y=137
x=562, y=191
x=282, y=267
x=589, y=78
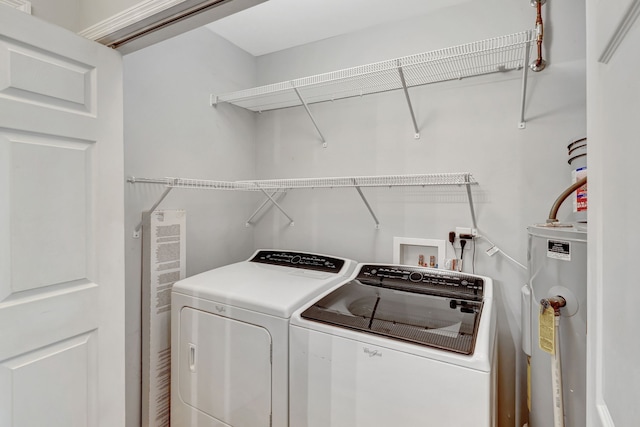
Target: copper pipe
x=540, y=63
x=557, y=303
x=562, y=197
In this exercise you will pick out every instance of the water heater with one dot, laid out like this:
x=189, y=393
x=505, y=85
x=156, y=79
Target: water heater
x=557, y=258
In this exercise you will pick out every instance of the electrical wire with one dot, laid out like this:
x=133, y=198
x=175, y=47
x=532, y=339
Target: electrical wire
x=503, y=252
x=473, y=259
x=463, y=243
x=452, y=238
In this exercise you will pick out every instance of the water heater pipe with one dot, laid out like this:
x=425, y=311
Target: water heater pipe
x=539, y=64
x=553, y=214
x=556, y=379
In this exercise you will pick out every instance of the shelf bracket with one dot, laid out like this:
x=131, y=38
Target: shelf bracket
x=136, y=231
x=364, y=199
x=306, y=107
x=470, y=198
x=406, y=94
x=248, y=222
x=291, y=223
x=525, y=70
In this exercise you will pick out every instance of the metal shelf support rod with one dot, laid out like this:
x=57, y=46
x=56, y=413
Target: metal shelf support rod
x=155, y=205
x=406, y=94
x=364, y=199
x=306, y=107
x=473, y=212
x=248, y=222
x=134, y=180
x=525, y=70
x=277, y=206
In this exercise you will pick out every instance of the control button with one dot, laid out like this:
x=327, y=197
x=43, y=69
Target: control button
x=415, y=276
x=374, y=271
x=296, y=259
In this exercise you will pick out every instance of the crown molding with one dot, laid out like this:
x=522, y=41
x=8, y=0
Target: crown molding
x=22, y=5
x=128, y=17
x=152, y=21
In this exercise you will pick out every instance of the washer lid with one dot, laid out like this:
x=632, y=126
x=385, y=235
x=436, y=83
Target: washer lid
x=275, y=288
x=404, y=308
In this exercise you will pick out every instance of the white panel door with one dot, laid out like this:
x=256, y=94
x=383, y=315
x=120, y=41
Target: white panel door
x=613, y=109
x=61, y=228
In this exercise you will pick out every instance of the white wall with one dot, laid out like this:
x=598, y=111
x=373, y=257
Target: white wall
x=170, y=130
x=65, y=13
x=470, y=125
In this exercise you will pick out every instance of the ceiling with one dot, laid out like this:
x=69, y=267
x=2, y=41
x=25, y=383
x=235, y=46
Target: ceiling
x=280, y=24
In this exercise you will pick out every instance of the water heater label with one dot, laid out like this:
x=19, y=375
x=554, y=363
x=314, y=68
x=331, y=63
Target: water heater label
x=559, y=249
x=546, y=330
x=580, y=199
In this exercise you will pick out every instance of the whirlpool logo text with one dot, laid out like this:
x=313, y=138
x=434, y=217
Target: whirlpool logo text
x=372, y=353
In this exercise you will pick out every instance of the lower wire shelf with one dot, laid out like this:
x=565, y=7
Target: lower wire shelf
x=271, y=187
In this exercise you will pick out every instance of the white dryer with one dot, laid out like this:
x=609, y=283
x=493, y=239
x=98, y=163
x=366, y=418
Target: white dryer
x=230, y=337
x=396, y=346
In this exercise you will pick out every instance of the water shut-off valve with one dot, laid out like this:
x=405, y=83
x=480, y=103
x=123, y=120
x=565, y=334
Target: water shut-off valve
x=556, y=303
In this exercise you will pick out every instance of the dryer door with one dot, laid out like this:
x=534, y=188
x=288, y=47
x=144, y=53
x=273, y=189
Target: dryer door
x=225, y=368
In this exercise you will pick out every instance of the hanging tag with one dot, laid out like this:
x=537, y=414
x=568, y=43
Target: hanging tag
x=546, y=329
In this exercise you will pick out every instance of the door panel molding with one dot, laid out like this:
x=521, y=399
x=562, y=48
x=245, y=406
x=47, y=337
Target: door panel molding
x=60, y=380
x=50, y=198
x=61, y=82
x=47, y=317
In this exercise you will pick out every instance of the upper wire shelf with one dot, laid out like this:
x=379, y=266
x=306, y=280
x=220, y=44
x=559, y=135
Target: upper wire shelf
x=499, y=54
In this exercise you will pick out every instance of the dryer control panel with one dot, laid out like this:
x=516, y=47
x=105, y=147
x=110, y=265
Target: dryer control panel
x=302, y=260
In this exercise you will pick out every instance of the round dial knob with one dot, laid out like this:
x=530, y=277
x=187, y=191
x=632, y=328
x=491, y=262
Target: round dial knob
x=296, y=259
x=415, y=276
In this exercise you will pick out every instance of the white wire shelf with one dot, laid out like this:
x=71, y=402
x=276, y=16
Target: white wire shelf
x=275, y=186
x=366, y=181
x=495, y=55
x=417, y=180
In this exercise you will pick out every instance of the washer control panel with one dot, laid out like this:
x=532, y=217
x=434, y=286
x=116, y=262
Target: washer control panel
x=422, y=280
x=302, y=260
